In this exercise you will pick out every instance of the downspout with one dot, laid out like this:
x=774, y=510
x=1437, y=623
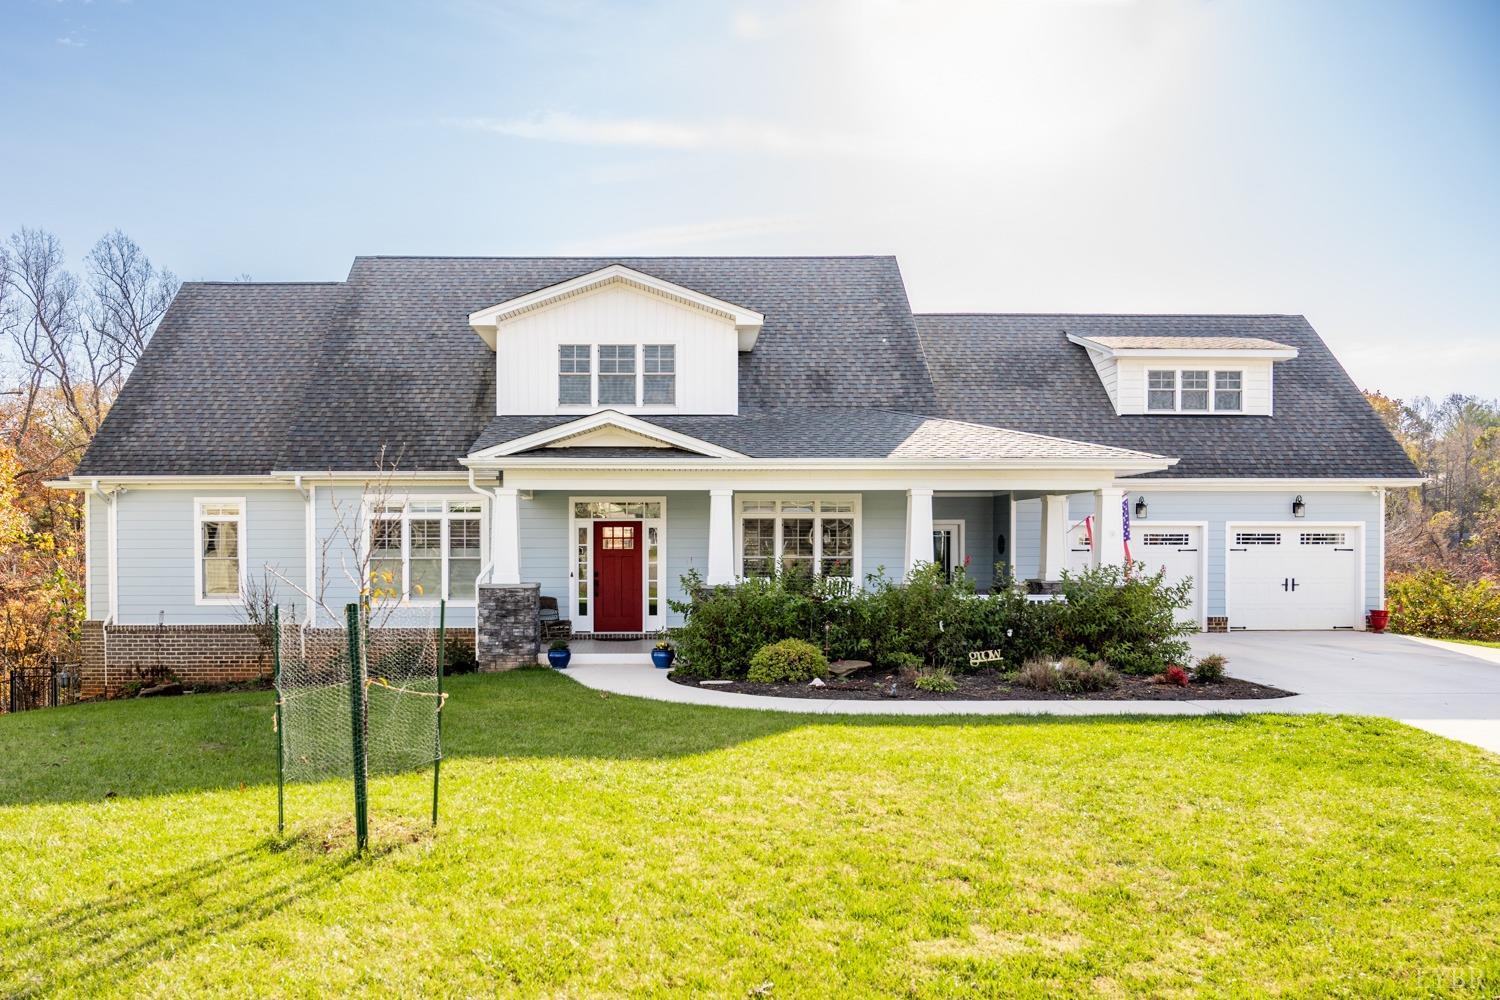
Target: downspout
x=112, y=574
x=488, y=568
x=310, y=556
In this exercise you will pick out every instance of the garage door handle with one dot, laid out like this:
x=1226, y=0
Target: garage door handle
x=1239, y=550
x=1187, y=550
x=1343, y=550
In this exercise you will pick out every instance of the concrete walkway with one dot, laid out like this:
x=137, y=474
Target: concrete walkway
x=1446, y=688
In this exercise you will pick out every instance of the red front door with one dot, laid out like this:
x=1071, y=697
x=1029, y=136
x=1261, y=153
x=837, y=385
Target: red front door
x=617, y=576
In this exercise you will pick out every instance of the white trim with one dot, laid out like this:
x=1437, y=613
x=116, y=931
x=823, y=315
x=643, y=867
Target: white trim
x=958, y=526
x=486, y=322
x=241, y=548
x=1380, y=544
x=1302, y=525
x=1147, y=524
x=1275, y=353
x=649, y=622
x=1010, y=539
x=1135, y=485
x=856, y=512
x=593, y=422
x=112, y=529
x=88, y=558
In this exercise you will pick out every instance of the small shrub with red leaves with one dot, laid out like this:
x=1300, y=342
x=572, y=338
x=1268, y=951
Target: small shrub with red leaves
x=1173, y=675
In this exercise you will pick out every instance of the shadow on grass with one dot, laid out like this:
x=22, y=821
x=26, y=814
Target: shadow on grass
x=94, y=946
x=141, y=749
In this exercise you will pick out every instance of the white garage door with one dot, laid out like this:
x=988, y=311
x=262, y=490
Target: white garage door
x=1305, y=576
x=1176, y=548
x=1179, y=551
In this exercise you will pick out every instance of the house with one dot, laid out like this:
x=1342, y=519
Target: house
x=591, y=430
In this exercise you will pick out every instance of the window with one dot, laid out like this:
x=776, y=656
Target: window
x=659, y=378
x=1195, y=390
x=220, y=547
x=573, y=375
x=1161, y=390
x=1322, y=538
x=426, y=549
x=1228, y=390
x=616, y=374
x=1169, y=538
x=815, y=537
x=1257, y=538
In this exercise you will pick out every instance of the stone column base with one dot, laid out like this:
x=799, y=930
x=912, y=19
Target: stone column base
x=509, y=625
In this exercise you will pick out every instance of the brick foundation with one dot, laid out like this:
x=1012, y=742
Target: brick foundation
x=205, y=655
x=1218, y=624
x=509, y=625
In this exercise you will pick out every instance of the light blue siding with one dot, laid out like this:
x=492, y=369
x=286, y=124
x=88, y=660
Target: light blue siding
x=98, y=557
x=1219, y=508
x=156, y=539
x=883, y=533
x=687, y=543
x=545, y=547
x=978, y=515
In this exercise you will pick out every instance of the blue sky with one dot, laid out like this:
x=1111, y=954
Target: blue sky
x=1334, y=159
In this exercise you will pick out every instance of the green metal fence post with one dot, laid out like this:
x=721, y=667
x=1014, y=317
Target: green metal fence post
x=280, y=736
x=437, y=759
x=357, y=721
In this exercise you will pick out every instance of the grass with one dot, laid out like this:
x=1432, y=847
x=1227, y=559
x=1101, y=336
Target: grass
x=599, y=845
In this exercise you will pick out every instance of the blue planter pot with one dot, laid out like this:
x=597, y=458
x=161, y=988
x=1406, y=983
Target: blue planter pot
x=559, y=658
x=663, y=658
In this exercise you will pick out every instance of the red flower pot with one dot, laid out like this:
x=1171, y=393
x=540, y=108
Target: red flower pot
x=1378, y=620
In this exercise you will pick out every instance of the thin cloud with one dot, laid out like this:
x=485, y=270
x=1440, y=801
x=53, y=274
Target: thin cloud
x=654, y=133
x=685, y=237
x=69, y=42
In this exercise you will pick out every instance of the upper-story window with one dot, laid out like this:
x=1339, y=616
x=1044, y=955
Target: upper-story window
x=575, y=377
x=659, y=381
x=1194, y=390
x=620, y=380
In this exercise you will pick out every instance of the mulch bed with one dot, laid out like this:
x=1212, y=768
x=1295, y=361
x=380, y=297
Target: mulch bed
x=989, y=685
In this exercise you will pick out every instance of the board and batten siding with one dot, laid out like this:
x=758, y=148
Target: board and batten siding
x=707, y=350
x=1218, y=509
x=1131, y=380
x=156, y=541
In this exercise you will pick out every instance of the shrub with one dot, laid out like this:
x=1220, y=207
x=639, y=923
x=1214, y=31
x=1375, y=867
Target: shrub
x=1433, y=603
x=1075, y=676
x=1128, y=620
x=558, y=645
x=906, y=663
x=458, y=656
x=1172, y=675
x=790, y=660
x=936, y=681
x=1210, y=668
x=726, y=626
x=1039, y=674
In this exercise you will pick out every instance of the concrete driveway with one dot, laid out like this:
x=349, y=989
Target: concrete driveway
x=1446, y=688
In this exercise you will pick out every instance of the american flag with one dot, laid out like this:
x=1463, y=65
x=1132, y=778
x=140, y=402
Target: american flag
x=1125, y=521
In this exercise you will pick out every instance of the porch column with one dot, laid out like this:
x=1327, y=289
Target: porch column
x=505, y=536
x=1109, y=528
x=720, y=537
x=918, y=528
x=1054, y=548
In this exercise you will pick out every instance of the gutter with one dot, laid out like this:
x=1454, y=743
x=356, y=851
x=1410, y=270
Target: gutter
x=310, y=555
x=487, y=569
x=112, y=546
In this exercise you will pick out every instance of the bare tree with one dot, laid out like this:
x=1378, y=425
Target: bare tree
x=129, y=299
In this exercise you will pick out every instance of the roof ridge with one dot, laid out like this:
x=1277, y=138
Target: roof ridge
x=626, y=256
x=260, y=284
x=1124, y=315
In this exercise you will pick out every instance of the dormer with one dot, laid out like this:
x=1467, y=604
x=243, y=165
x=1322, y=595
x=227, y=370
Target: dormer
x=1187, y=376
x=617, y=339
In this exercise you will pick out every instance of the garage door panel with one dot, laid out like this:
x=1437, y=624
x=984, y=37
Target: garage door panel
x=1178, y=552
x=1300, y=577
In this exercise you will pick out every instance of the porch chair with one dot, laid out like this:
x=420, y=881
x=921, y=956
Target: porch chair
x=553, y=625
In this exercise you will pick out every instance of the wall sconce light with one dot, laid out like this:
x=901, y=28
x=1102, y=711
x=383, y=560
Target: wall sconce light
x=1298, y=507
x=1140, y=508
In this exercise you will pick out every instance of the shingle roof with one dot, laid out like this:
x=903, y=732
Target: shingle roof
x=828, y=432
x=221, y=383
x=247, y=378
x=1021, y=371
x=1191, y=343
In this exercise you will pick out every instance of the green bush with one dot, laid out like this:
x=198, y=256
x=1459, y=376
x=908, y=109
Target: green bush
x=1433, y=603
x=726, y=626
x=1128, y=620
x=458, y=656
x=935, y=681
x=1210, y=668
x=1075, y=676
x=787, y=661
x=1039, y=674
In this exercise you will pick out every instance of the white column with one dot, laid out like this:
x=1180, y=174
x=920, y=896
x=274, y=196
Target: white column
x=918, y=528
x=1109, y=528
x=1054, y=551
x=720, y=536
x=505, y=536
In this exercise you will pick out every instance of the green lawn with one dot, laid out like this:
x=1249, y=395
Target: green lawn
x=598, y=845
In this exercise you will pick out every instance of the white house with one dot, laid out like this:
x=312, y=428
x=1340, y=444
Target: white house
x=591, y=430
